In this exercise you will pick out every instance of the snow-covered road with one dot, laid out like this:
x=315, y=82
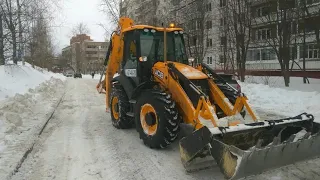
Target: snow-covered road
x=80, y=142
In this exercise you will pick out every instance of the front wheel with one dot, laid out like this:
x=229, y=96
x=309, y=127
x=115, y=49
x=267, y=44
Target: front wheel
x=119, y=106
x=157, y=119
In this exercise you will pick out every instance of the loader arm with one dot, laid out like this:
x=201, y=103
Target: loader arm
x=116, y=54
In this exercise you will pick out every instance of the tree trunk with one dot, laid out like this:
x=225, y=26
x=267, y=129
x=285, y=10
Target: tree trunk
x=286, y=76
x=304, y=58
x=1, y=42
x=287, y=70
x=21, y=49
x=243, y=71
x=14, y=48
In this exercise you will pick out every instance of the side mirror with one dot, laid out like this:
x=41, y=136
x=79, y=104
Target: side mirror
x=143, y=59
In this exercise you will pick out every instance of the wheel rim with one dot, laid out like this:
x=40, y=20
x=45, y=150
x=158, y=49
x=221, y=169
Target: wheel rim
x=147, y=112
x=115, y=107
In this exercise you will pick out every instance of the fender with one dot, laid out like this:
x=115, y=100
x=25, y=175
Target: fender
x=125, y=82
x=142, y=86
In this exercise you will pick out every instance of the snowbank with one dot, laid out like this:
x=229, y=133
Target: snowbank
x=27, y=96
x=296, y=83
x=22, y=117
x=282, y=101
x=19, y=79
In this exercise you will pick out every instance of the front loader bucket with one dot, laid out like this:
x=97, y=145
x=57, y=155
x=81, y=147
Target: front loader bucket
x=236, y=163
x=257, y=147
x=195, y=150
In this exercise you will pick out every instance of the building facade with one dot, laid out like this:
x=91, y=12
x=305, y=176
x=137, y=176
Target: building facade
x=211, y=31
x=266, y=34
x=151, y=12
x=85, y=55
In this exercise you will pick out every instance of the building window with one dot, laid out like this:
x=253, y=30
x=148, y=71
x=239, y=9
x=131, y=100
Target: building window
x=208, y=7
x=223, y=41
x=312, y=52
x=223, y=3
x=223, y=21
x=91, y=46
x=92, y=52
x=209, y=24
x=263, y=11
x=268, y=54
x=194, y=40
x=253, y=55
x=209, y=42
x=209, y=60
x=263, y=34
x=261, y=54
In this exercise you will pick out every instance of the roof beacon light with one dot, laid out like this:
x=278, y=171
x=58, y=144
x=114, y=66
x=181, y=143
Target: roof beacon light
x=171, y=25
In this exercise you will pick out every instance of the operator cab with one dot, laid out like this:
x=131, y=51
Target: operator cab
x=144, y=46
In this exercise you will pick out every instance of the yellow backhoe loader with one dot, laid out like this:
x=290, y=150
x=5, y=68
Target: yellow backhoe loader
x=150, y=84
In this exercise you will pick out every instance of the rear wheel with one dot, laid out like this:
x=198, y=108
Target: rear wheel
x=119, y=106
x=157, y=119
x=232, y=96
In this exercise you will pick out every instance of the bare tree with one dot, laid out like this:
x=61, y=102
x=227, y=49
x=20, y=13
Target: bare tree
x=239, y=31
x=18, y=20
x=40, y=44
x=9, y=11
x=279, y=32
x=1, y=41
x=112, y=9
x=193, y=17
x=20, y=30
x=81, y=28
x=308, y=21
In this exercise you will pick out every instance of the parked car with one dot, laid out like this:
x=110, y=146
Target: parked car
x=77, y=75
x=68, y=74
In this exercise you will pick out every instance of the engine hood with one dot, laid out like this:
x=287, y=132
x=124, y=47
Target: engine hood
x=189, y=71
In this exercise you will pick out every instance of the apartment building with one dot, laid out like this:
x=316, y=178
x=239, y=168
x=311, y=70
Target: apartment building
x=151, y=12
x=207, y=23
x=85, y=55
x=262, y=55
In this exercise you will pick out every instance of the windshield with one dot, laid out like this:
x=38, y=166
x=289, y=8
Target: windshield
x=152, y=46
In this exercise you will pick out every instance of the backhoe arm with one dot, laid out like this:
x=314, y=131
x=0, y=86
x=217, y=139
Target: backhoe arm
x=115, y=55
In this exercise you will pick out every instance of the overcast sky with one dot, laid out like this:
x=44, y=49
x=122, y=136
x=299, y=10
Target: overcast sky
x=70, y=13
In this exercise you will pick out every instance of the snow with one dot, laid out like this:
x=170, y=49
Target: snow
x=20, y=78
x=89, y=76
x=27, y=96
x=21, y=118
x=81, y=143
x=242, y=127
x=296, y=83
x=284, y=101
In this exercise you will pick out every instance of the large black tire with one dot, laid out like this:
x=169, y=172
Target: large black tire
x=119, y=110
x=232, y=96
x=167, y=119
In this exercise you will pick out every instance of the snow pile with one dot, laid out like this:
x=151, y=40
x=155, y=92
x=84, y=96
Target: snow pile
x=22, y=117
x=19, y=79
x=282, y=101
